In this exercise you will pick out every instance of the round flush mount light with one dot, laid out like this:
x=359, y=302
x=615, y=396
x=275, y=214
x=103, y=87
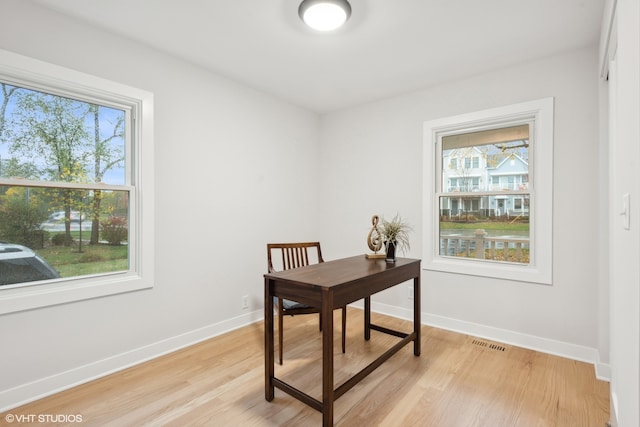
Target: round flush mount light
x=324, y=15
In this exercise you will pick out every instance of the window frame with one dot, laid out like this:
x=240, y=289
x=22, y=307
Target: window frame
x=540, y=268
x=28, y=72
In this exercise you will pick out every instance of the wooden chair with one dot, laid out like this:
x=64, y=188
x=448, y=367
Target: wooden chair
x=294, y=255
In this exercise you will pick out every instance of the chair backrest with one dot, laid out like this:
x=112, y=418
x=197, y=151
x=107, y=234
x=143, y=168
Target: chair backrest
x=284, y=256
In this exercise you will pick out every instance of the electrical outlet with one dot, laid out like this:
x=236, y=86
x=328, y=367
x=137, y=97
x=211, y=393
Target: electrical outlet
x=245, y=302
x=410, y=291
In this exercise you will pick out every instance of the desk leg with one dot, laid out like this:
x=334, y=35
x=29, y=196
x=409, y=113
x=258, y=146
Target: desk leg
x=268, y=341
x=327, y=359
x=416, y=315
x=367, y=318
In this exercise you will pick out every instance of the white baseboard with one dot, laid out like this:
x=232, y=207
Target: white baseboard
x=25, y=393
x=543, y=345
x=613, y=411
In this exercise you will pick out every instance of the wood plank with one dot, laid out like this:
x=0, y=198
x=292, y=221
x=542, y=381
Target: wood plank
x=457, y=381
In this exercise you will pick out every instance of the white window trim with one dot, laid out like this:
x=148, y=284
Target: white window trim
x=540, y=268
x=18, y=68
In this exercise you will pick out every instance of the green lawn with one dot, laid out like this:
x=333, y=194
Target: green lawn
x=92, y=260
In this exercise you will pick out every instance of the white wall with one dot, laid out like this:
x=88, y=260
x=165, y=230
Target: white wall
x=372, y=164
x=624, y=158
x=234, y=169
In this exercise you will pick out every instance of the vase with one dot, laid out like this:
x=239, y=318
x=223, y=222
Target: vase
x=391, y=251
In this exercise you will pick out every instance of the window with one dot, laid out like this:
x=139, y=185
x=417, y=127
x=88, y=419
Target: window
x=517, y=204
x=499, y=223
x=71, y=171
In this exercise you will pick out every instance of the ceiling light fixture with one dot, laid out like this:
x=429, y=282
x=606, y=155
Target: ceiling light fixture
x=324, y=15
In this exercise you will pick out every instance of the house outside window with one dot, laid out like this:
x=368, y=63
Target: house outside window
x=499, y=223
x=71, y=168
x=505, y=235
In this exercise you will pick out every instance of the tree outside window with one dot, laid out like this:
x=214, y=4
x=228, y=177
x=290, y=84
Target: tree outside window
x=62, y=181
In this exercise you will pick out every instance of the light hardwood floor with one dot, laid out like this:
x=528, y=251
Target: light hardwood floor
x=458, y=381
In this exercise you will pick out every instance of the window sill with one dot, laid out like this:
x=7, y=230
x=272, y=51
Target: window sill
x=49, y=294
x=494, y=270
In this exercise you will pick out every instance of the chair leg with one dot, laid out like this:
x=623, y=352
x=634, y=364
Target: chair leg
x=280, y=330
x=344, y=327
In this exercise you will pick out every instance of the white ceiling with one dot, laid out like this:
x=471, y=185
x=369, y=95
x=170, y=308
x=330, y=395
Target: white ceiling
x=388, y=47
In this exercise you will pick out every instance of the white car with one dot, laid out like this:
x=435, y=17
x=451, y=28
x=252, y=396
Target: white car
x=59, y=216
x=20, y=264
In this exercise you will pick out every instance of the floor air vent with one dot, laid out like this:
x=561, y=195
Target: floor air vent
x=488, y=345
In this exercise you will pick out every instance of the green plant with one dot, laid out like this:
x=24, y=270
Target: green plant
x=114, y=230
x=396, y=230
x=21, y=213
x=59, y=239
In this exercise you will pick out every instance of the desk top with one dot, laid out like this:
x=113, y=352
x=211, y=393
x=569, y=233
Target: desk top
x=343, y=271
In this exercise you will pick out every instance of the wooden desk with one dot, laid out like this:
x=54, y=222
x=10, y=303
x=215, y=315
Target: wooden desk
x=327, y=286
